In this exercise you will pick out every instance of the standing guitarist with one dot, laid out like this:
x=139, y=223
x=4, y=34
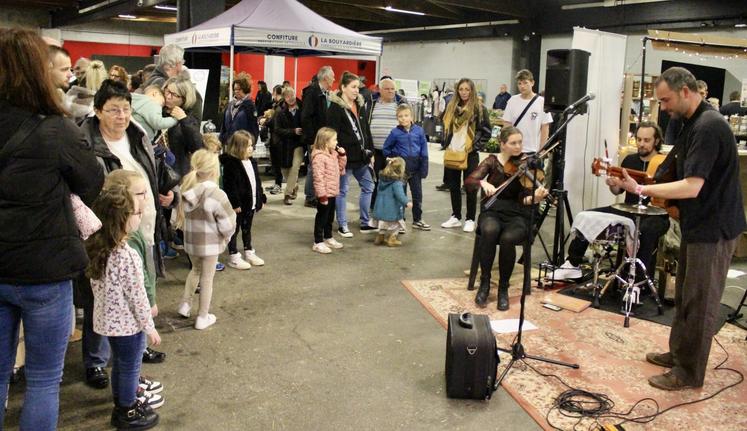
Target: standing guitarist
x=648, y=140
x=706, y=187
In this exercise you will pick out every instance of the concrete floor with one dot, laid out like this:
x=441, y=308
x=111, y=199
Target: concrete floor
x=309, y=341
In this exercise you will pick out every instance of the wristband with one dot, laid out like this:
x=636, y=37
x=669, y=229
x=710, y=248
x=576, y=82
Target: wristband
x=639, y=190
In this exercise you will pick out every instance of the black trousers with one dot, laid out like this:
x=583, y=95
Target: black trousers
x=325, y=215
x=701, y=276
x=652, y=228
x=454, y=179
x=275, y=156
x=244, y=224
x=379, y=164
x=505, y=231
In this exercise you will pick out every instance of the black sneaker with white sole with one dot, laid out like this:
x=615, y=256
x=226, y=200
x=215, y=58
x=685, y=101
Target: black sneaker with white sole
x=345, y=232
x=420, y=224
x=368, y=229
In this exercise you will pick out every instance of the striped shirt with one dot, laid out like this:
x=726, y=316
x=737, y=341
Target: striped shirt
x=383, y=120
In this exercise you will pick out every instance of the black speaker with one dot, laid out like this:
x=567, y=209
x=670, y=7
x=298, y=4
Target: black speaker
x=565, y=78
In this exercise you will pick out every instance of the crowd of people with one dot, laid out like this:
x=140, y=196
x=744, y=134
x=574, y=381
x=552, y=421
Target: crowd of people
x=103, y=176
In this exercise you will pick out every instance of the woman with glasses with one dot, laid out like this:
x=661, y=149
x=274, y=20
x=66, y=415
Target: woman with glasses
x=118, y=73
x=44, y=159
x=184, y=138
x=120, y=144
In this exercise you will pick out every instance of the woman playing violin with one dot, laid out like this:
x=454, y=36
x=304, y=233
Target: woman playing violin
x=506, y=222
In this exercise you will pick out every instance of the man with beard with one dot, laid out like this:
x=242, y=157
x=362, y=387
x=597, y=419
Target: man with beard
x=649, y=141
x=61, y=71
x=709, y=198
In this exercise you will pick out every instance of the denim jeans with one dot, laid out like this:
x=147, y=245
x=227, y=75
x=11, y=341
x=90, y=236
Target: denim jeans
x=416, y=187
x=127, y=356
x=46, y=311
x=95, y=347
x=365, y=180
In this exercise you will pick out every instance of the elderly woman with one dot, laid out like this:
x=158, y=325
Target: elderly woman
x=44, y=159
x=506, y=222
x=120, y=144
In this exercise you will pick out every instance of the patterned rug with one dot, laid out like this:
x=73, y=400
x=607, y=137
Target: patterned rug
x=611, y=359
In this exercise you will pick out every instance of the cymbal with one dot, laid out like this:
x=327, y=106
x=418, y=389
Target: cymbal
x=639, y=209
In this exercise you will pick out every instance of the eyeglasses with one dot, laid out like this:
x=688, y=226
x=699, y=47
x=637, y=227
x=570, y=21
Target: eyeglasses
x=117, y=111
x=168, y=93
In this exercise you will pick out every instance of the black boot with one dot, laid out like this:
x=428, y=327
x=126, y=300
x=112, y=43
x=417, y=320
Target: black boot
x=503, y=297
x=481, y=299
x=136, y=417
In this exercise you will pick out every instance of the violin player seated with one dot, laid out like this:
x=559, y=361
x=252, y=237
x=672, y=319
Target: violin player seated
x=648, y=141
x=506, y=222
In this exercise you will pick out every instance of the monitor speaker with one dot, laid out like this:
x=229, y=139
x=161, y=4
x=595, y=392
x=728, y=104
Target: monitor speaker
x=565, y=78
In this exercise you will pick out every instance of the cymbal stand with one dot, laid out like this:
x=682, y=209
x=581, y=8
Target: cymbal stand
x=633, y=289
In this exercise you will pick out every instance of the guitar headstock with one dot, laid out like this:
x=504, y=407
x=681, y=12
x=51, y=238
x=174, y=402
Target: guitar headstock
x=599, y=166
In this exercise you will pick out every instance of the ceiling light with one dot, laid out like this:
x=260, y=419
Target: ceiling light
x=127, y=16
x=411, y=12
x=740, y=25
x=167, y=7
x=444, y=27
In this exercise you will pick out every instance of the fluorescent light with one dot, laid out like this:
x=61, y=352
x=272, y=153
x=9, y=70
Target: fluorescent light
x=167, y=7
x=740, y=25
x=411, y=12
x=127, y=16
x=443, y=27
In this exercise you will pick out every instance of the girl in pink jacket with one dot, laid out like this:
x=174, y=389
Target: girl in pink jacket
x=327, y=165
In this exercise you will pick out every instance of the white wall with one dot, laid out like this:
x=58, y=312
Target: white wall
x=488, y=59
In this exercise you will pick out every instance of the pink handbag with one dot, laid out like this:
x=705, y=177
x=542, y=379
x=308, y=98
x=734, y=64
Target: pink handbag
x=85, y=218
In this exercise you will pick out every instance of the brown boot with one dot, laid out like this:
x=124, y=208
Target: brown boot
x=392, y=241
x=379, y=239
x=288, y=200
x=668, y=382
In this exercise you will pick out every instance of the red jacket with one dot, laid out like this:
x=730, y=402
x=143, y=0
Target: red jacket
x=327, y=167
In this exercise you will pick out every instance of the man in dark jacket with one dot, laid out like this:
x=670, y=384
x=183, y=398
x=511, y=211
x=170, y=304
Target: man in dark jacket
x=314, y=117
x=733, y=107
x=289, y=138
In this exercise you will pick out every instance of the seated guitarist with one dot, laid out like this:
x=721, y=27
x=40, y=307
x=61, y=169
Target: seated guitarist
x=649, y=141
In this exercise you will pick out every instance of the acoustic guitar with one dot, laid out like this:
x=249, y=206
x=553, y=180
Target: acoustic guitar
x=599, y=166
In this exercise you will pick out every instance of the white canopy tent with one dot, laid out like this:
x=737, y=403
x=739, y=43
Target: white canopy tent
x=275, y=27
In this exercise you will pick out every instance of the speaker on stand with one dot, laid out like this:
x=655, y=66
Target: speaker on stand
x=565, y=83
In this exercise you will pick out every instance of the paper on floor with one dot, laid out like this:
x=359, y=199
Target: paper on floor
x=507, y=326
x=733, y=273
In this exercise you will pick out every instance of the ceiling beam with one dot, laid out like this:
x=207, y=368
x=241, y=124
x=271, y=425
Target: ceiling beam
x=646, y=15
x=423, y=7
x=500, y=7
x=350, y=13
x=108, y=9
x=450, y=9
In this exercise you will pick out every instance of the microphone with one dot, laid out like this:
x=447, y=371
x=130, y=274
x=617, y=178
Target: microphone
x=580, y=102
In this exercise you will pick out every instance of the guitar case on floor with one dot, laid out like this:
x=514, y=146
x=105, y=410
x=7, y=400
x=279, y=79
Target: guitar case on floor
x=471, y=357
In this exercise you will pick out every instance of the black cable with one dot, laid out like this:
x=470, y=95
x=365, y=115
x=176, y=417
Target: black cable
x=580, y=404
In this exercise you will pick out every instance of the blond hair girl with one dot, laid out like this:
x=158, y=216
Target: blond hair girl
x=391, y=201
x=208, y=220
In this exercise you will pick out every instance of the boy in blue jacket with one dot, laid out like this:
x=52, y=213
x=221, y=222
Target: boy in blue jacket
x=407, y=140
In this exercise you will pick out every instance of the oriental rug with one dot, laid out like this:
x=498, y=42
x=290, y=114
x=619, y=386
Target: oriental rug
x=611, y=360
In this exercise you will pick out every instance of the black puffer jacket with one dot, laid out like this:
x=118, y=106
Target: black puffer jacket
x=39, y=240
x=314, y=112
x=339, y=117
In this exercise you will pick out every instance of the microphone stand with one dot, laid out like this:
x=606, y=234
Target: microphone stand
x=517, y=349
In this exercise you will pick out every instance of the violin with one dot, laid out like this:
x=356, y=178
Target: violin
x=531, y=178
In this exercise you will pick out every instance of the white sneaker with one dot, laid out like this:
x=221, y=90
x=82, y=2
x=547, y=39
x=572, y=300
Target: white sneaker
x=333, y=243
x=451, y=222
x=184, y=309
x=150, y=399
x=566, y=271
x=322, y=248
x=252, y=257
x=151, y=386
x=235, y=261
x=205, y=322
x=469, y=226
